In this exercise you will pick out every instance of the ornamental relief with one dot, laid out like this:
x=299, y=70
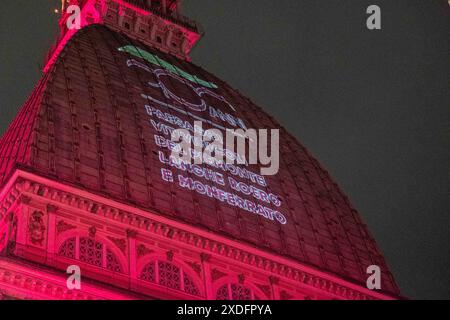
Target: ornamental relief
x=142, y=251
x=284, y=295
x=2, y=240
x=217, y=274
x=37, y=228
x=13, y=235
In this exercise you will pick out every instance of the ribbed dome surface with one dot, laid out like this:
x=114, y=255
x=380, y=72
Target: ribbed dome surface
x=86, y=125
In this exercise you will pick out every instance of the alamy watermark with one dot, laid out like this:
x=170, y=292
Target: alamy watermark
x=239, y=146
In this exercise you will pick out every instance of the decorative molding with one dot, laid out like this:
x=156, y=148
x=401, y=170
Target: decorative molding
x=11, y=245
x=132, y=233
x=274, y=280
x=24, y=199
x=154, y=24
x=142, y=251
x=196, y=267
x=38, y=286
x=204, y=257
x=32, y=286
x=266, y=289
x=12, y=196
x=217, y=274
x=51, y=208
x=2, y=241
x=284, y=295
x=194, y=240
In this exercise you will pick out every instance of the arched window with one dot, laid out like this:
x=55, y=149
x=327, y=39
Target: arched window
x=169, y=275
x=91, y=252
x=234, y=291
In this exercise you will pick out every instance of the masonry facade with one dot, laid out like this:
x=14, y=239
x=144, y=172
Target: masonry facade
x=83, y=182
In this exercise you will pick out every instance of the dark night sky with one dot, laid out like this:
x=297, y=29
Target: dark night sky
x=372, y=106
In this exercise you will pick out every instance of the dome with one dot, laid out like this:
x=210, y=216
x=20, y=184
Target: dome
x=96, y=122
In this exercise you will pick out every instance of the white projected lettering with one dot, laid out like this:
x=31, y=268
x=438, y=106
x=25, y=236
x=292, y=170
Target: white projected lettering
x=234, y=185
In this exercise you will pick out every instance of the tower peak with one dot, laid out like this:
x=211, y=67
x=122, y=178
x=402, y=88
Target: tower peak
x=157, y=23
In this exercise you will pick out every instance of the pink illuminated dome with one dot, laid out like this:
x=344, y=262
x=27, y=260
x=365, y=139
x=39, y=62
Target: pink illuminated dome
x=86, y=180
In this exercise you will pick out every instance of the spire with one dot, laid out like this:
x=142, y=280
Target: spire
x=157, y=23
